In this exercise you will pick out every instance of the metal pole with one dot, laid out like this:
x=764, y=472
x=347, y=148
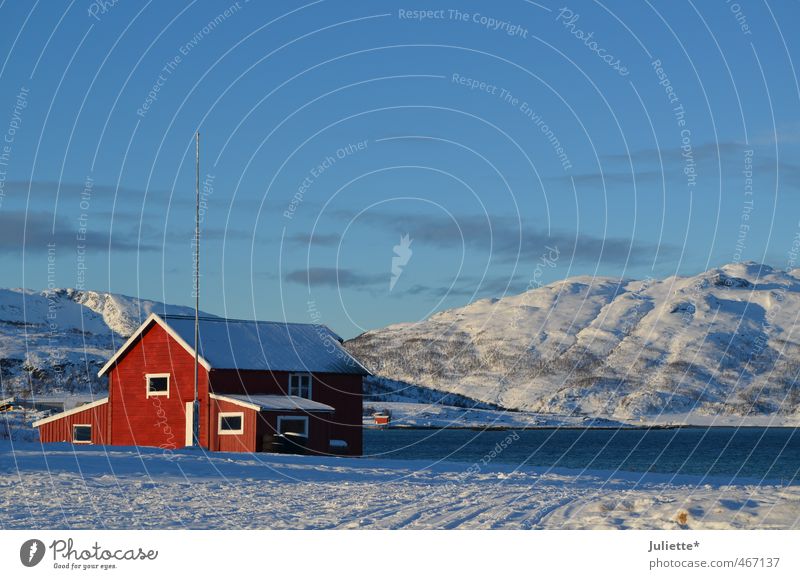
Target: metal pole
x=196, y=404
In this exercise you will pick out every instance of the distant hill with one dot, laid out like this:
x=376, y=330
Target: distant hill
x=726, y=341
x=56, y=341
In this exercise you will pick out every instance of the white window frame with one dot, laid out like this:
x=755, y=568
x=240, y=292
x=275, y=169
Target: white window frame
x=91, y=432
x=302, y=375
x=147, y=384
x=303, y=418
x=222, y=415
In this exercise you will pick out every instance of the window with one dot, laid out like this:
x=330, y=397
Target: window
x=297, y=425
x=300, y=385
x=231, y=423
x=82, y=433
x=157, y=384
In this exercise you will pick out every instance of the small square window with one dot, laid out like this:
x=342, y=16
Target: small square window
x=231, y=423
x=157, y=385
x=82, y=433
x=300, y=385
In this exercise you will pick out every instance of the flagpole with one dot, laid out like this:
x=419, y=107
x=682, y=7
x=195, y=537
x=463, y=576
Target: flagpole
x=196, y=404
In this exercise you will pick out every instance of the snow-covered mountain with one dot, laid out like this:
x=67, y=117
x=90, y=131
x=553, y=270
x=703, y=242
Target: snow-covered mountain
x=56, y=341
x=726, y=341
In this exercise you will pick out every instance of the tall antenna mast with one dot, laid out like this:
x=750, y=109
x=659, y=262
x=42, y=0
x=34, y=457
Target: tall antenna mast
x=196, y=404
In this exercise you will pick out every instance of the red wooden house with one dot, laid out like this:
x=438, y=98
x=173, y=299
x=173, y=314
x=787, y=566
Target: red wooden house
x=262, y=386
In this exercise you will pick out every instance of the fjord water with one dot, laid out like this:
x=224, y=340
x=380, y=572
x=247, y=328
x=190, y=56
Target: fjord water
x=756, y=453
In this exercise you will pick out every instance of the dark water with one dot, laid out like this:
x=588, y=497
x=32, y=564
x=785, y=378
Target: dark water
x=758, y=453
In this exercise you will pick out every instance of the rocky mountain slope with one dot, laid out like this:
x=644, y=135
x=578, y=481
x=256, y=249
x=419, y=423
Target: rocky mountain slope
x=722, y=342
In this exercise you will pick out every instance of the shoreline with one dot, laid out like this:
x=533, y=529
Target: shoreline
x=570, y=427
x=503, y=428
x=436, y=416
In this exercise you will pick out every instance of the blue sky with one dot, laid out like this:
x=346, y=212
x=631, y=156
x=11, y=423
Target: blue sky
x=514, y=143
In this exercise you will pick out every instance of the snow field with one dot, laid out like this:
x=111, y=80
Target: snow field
x=129, y=488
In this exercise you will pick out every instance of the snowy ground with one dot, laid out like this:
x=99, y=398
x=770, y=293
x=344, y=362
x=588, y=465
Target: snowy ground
x=96, y=487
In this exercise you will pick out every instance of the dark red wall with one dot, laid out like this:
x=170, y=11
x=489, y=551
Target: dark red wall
x=342, y=391
x=61, y=430
x=256, y=424
x=159, y=420
x=249, y=382
x=318, y=429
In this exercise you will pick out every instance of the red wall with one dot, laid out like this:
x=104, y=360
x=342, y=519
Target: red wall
x=232, y=442
x=318, y=431
x=258, y=423
x=342, y=391
x=249, y=382
x=61, y=430
x=159, y=420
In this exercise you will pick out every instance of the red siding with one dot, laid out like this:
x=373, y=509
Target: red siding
x=342, y=391
x=259, y=423
x=248, y=382
x=245, y=442
x=158, y=420
x=318, y=429
x=60, y=430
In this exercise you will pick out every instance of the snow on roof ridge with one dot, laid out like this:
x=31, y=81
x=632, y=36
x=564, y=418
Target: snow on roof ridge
x=253, y=345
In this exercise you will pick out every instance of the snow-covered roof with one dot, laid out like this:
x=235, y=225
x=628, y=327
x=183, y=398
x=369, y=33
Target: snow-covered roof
x=253, y=345
x=275, y=402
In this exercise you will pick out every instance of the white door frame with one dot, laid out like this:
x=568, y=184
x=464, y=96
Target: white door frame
x=188, y=441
